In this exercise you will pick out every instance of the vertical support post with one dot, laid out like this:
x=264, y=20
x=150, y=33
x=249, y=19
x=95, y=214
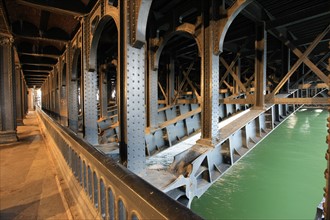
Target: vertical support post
x=210, y=81
x=171, y=81
x=19, y=98
x=90, y=92
x=236, y=85
x=103, y=91
x=238, y=73
x=260, y=65
x=132, y=100
x=73, y=97
x=153, y=93
x=285, y=66
x=24, y=95
x=8, y=124
x=326, y=206
x=56, y=97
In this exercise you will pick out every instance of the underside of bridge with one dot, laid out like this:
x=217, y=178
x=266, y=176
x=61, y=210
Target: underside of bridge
x=135, y=78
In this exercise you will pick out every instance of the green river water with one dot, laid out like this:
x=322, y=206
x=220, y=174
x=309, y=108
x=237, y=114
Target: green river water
x=281, y=178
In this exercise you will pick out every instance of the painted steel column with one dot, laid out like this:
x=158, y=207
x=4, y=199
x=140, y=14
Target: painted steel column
x=285, y=67
x=24, y=95
x=238, y=73
x=64, y=87
x=73, y=104
x=19, y=98
x=56, y=100
x=8, y=125
x=132, y=99
x=326, y=206
x=103, y=84
x=260, y=65
x=73, y=107
x=171, y=81
x=153, y=93
x=90, y=92
x=209, y=82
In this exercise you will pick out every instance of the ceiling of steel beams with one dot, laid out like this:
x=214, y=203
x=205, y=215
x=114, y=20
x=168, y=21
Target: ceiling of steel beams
x=41, y=29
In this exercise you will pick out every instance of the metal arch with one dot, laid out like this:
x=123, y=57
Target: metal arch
x=141, y=26
x=76, y=54
x=97, y=35
x=233, y=11
x=114, y=13
x=187, y=31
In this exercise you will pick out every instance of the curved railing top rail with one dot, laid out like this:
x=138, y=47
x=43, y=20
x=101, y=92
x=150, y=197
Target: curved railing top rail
x=146, y=197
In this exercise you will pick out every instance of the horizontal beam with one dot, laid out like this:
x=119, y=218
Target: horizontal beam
x=40, y=55
x=32, y=73
x=60, y=7
x=301, y=101
x=38, y=38
x=176, y=119
x=37, y=64
x=300, y=16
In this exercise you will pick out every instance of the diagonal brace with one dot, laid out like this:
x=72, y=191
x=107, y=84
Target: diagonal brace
x=238, y=81
x=303, y=57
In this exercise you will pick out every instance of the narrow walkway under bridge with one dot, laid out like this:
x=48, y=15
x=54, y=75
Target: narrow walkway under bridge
x=30, y=185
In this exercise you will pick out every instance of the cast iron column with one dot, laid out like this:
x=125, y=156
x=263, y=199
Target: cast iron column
x=103, y=84
x=260, y=65
x=132, y=98
x=19, y=97
x=210, y=82
x=90, y=92
x=73, y=99
x=285, y=66
x=8, y=125
x=152, y=93
x=171, y=81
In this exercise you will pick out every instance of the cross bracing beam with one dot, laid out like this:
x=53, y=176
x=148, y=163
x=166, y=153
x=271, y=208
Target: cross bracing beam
x=233, y=74
x=232, y=64
x=303, y=57
x=309, y=71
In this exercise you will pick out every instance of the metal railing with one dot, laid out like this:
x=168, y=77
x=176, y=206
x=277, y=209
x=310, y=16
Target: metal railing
x=114, y=191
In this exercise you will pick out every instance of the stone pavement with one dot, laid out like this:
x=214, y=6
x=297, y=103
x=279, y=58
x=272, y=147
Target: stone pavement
x=29, y=186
